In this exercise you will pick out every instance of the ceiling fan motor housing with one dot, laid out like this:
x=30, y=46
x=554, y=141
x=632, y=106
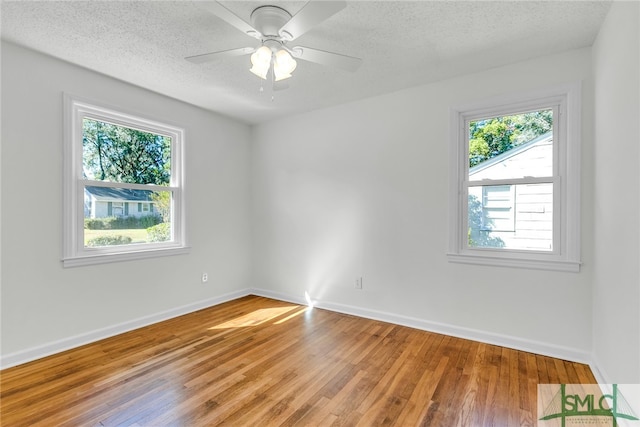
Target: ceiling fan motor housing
x=268, y=20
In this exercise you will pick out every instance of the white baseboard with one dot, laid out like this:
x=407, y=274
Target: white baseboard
x=601, y=376
x=279, y=296
x=24, y=356
x=532, y=346
x=538, y=347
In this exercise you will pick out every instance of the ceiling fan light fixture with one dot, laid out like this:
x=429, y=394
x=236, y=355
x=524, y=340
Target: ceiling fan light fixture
x=260, y=71
x=275, y=27
x=261, y=61
x=283, y=65
x=261, y=56
x=280, y=76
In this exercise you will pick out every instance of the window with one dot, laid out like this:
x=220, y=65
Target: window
x=116, y=208
x=515, y=170
x=498, y=208
x=123, y=186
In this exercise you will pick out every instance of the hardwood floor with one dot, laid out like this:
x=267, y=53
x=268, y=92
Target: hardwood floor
x=260, y=362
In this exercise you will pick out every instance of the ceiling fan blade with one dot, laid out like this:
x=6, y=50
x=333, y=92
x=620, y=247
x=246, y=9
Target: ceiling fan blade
x=349, y=63
x=213, y=56
x=231, y=18
x=311, y=14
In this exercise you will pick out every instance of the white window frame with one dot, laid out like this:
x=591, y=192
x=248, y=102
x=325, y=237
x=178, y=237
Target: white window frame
x=74, y=251
x=566, y=223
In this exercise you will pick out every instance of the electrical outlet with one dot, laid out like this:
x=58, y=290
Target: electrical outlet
x=205, y=277
x=358, y=282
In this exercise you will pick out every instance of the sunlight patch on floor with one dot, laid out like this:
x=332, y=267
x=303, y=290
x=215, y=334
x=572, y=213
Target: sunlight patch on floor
x=291, y=316
x=257, y=317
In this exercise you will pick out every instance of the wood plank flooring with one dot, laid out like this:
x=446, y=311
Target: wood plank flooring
x=260, y=362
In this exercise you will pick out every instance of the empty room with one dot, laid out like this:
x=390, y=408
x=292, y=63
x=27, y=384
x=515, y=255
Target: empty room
x=347, y=213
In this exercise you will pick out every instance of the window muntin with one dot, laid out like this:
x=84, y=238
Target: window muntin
x=559, y=246
x=114, y=162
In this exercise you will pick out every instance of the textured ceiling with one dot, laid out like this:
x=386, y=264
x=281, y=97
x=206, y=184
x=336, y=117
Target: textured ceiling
x=402, y=44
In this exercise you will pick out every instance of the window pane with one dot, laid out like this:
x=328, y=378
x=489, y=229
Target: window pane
x=111, y=216
x=508, y=147
x=511, y=217
x=120, y=154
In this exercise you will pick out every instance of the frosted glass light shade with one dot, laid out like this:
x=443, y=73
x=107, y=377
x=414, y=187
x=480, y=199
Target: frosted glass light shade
x=283, y=65
x=261, y=61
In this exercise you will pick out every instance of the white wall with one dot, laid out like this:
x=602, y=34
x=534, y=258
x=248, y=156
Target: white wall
x=45, y=306
x=616, y=297
x=361, y=190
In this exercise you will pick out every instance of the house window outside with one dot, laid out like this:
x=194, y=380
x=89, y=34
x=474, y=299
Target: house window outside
x=118, y=161
x=515, y=183
x=498, y=207
x=117, y=209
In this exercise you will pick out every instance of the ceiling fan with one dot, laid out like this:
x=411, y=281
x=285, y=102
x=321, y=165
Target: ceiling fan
x=274, y=27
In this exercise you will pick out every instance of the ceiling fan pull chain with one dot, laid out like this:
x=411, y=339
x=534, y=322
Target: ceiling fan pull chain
x=272, y=79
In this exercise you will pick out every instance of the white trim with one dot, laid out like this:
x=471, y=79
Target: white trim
x=48, y=349
x=105, y=258
x=566, y=252
x=279, y=296
x=538, y=347
x=530, y=262
x=599, y=374
x=74, y=251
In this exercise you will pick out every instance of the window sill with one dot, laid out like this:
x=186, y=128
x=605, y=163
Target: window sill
x=535, y=264
x=80, y=261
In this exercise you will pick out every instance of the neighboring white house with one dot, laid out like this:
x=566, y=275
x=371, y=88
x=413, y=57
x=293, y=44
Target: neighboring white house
x=521, y=216
x=103, y=202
